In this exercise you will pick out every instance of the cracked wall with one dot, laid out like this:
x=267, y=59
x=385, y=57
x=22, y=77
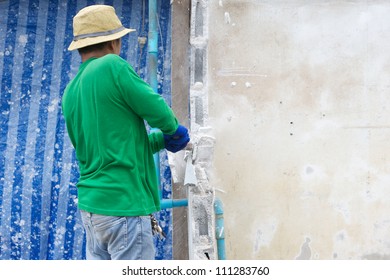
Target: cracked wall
x=299, y=103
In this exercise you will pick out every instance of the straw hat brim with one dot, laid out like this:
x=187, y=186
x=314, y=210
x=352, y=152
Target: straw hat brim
x=81, y=43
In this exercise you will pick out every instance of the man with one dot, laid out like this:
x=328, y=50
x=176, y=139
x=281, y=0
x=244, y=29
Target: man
x=104, y=107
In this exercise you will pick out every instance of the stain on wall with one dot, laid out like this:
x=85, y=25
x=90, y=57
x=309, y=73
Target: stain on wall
x=299, y=105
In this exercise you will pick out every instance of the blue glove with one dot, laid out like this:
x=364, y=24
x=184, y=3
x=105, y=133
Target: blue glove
x=178, y=140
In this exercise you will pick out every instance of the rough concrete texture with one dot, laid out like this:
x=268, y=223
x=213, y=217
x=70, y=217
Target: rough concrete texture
x=201, y=239
x=299, y=104
x=201, y=229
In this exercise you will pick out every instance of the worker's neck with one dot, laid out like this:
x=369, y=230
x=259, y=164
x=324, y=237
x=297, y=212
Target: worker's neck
x=97, y=54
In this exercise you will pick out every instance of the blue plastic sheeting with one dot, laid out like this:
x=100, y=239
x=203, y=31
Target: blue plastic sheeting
x=38, y=169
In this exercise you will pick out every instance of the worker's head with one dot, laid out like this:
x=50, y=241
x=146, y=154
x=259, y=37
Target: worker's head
x=95, y=25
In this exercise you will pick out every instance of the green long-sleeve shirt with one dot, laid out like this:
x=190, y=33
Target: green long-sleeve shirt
x=104, y=108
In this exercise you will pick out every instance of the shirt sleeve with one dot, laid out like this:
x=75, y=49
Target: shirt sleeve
x=156, y=141
x=149, y=105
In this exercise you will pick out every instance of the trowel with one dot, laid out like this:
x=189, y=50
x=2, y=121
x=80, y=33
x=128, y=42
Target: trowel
x=182, y=167
x=190, y=176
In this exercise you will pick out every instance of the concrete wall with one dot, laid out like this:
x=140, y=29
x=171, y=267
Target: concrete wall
x=299, y=105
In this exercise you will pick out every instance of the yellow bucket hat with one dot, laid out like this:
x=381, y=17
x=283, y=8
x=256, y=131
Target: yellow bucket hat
x=96, y=24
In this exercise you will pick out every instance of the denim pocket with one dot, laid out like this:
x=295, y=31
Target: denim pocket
x=111, y=232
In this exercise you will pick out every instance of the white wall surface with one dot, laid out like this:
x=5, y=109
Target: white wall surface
x=299, y=106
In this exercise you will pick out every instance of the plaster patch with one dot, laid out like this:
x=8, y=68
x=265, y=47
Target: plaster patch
x=264, y=235
x=312, y=172
x=227, y=18
x=305, y=253
x=343, y=208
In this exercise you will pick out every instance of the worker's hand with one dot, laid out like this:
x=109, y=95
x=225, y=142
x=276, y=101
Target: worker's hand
x=177, y=141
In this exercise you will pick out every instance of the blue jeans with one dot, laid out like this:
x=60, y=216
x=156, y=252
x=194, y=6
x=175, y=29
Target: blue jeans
x=118, y=238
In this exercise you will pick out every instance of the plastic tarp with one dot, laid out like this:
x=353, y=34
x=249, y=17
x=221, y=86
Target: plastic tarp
x=38, y=170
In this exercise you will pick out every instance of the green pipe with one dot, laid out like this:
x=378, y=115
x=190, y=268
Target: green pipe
x=173, y=203
x=220, y=229
x=152, y=71
x=153, y=44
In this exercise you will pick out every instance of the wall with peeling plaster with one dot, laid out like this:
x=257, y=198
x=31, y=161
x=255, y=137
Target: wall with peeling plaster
x=299, y=105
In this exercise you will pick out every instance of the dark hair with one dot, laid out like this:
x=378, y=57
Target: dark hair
x=91, y=48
